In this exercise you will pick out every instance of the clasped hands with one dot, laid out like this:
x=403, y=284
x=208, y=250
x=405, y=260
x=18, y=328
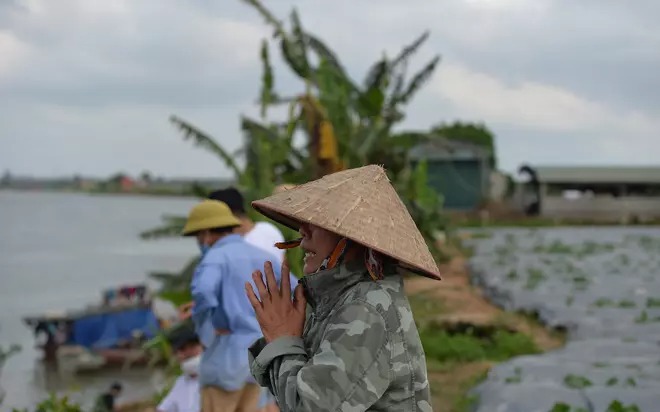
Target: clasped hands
x=277, y=313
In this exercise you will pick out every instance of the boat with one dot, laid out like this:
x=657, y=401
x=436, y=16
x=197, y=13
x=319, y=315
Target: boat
x=107, y=334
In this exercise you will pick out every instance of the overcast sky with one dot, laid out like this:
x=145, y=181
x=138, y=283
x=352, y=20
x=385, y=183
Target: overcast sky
x=87, y=86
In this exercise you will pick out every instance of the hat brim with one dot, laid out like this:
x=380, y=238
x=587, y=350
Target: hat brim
x=359, y=204
x=271, y=212
x=208, y=224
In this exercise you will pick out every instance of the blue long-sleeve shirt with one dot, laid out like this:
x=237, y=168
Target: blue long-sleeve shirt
x=218, y=290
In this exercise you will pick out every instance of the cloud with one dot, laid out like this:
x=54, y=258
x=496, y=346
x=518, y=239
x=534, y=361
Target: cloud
x=532, y=105
x=87, y=85
x=97, y=52
x=14, y=53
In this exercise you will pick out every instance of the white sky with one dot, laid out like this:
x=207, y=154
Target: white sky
x=87, y=86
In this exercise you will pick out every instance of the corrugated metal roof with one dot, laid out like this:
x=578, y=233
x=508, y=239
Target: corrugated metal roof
x=598, y=174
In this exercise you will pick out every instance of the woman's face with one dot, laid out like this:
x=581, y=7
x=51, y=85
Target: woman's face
x=318, y=244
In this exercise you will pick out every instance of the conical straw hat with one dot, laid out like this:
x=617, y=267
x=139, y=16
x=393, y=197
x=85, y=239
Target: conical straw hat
x=359, y=204
x=283, y=188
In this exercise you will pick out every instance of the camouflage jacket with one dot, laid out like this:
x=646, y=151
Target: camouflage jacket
x=360, y=350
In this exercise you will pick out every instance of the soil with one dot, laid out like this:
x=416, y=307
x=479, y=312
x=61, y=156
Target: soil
x=462, y=303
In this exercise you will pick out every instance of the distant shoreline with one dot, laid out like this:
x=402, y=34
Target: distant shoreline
x=172, y=194
x=459, y=220
x=138, y=193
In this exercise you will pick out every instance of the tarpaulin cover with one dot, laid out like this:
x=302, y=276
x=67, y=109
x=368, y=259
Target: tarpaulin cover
x=100, y=331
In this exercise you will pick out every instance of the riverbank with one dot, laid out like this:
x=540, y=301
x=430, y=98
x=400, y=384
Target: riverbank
x=465, y=336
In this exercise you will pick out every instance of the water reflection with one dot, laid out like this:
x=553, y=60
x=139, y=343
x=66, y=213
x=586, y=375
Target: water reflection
x=83, y=387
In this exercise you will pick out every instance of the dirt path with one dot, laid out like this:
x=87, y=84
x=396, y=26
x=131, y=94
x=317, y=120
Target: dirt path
x=462, y=303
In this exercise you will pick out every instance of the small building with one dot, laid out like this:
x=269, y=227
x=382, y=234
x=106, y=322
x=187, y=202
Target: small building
x=126, y=184
x=599, y=193
x=460, y=171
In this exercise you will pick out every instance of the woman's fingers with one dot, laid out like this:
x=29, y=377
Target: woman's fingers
x=261, y=287
x=270, y=279
x=285, y=290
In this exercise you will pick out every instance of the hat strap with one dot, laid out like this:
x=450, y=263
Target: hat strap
x=290, y=244
x=374, y=263
x=336, y=257
x=372, y=259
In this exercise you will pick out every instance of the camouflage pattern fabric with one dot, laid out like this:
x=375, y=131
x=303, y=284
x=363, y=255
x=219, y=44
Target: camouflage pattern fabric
x=360, y=350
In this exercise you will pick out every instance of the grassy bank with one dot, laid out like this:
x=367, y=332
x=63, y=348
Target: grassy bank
x=464, y=335
x=142, y=192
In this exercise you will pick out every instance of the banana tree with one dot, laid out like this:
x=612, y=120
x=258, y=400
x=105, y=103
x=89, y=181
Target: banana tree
x=358, y=120
x=346, y=125
x=361, y=117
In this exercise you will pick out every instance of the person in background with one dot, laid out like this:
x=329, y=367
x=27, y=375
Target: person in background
x=106, y=401
x=185, y=394
x=263, y=235
x=223, y=317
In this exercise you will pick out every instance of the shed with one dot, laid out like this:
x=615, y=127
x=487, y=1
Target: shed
x=459, y=171
x=599, y=192
x=598, y=175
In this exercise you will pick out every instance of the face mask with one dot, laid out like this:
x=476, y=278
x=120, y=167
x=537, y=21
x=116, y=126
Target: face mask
x=203, y=249
x=191, y=366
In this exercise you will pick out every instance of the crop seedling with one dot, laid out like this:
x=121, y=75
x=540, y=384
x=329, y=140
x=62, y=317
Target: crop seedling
x=603, y=302
x=645, y=318
x=580, y=281
x=627, y=304
x=555, y=247
x=591, y=248
x=512, y=275
x=576, y=381
x=534, y=277
x=569, y=300
x=516, y=378
x=617, y=406
x=564, y=407
x=653, y=302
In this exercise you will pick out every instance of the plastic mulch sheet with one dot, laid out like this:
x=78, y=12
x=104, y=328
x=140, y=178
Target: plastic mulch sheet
x=602, y=285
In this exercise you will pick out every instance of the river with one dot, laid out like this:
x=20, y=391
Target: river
x=58, y=251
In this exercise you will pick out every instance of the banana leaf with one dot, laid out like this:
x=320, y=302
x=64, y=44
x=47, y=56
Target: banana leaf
x=205, y=141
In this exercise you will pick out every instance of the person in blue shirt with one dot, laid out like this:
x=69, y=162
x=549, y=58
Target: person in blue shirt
x=223, y=316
